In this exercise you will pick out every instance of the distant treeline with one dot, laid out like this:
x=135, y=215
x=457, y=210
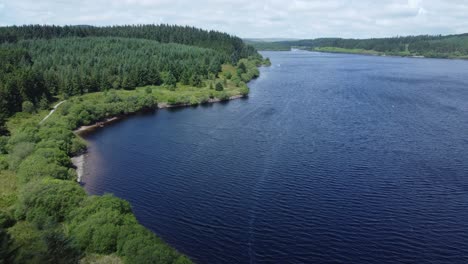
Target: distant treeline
x=272, y=46
x=451, y=46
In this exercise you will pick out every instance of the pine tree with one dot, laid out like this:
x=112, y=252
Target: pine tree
x=219, y=86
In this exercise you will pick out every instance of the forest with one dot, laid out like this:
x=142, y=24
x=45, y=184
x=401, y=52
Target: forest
x=450, y=46
x=45, y=216
x=39, y=62
x=222, y=42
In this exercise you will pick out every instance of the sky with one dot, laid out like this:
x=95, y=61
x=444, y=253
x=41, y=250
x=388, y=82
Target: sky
x=254, y=18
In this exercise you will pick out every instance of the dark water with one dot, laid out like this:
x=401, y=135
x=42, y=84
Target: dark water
x=332, y=159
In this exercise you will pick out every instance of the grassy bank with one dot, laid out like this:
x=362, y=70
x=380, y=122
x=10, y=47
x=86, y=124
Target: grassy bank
x=45, y=216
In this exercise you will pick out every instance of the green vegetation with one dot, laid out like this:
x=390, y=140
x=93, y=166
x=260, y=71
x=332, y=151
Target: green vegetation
x=350, y=51
x=40, y=62
x=45, y=216
x=224, y=43
x=272, y=46
x=451, y=46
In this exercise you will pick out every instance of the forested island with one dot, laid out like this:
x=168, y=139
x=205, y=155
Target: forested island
x=97, y=73
x=450, y=46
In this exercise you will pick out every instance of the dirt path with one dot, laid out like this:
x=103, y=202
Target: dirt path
x=52, y=111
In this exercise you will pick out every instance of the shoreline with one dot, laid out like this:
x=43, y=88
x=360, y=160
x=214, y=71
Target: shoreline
x=109, y=120
x=79, y=162
x=389, y=55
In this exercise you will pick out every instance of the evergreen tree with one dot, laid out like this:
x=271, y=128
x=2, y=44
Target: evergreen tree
x=196, y=81
x=219, y=86
x=241, y=68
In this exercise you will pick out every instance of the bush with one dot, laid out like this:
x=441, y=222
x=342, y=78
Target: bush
x=44, y=103
x=106, y=224
x=54, y=155
x=224, y=96
x=60, y=249
x=219, y=86
x=241, y=68
x=6, y=220
x=3, y=144
x=96, y=225
x=194, y=101
x=78, y=146
x=27, y=133
x=244, y=90
x=3, y=162
x=228, y=75
x=27, y=107
x=169, y=80
x=28, y=242
x=19, y=153
x=38, y=167
x=48, y=200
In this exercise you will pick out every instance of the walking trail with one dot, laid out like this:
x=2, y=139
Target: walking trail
x=52, y=111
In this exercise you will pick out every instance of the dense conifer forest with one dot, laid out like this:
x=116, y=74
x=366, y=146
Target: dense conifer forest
x=45, y=216
x=39, y=62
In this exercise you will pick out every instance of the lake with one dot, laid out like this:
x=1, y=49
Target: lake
x=333, y=158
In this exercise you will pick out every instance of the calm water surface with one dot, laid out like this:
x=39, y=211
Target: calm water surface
x=332, y=159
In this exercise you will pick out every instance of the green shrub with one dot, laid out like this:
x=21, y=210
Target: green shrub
x=60, y=249
x=38, y=167
x=6, y=220
x=3, y=144
x=96, y=225
x=26, y=133
x=28, y=107
x=19, y=153
x=219, y=86
x=228, y=75
x=54, y=155
x=224, y=96
x=48, y=200
x=3, y=162
x=78, y=146
x=27, y=239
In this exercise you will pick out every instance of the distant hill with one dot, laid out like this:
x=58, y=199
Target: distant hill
x=269, y=39
x=270, y=44
x=438, y=46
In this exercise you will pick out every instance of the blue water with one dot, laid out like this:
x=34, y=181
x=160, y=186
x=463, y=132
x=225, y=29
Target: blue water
x=332, y=159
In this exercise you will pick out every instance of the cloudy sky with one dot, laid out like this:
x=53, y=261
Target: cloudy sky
x=254, y=18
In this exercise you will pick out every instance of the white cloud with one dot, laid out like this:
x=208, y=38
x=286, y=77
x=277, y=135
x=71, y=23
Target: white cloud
x=255, y=18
